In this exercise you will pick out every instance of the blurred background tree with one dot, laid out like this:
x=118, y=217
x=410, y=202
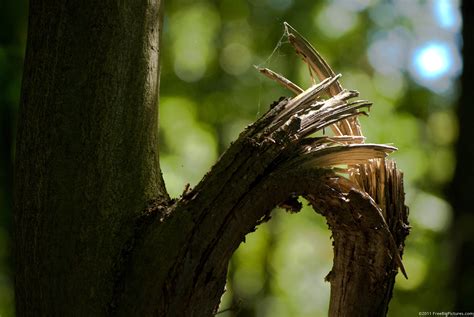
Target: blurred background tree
x=402, y=55
x=13, y=17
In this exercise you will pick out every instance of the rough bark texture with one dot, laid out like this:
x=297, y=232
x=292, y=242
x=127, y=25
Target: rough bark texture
x=364, y=229
x=87, y=151
x=96, y=233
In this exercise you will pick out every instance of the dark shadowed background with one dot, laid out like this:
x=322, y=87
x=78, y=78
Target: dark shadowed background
x=405, y=56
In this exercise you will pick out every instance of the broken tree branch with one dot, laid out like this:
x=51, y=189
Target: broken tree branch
x=270, y=162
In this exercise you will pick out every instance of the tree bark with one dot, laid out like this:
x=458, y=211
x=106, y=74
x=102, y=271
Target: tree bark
x=364, y=229
x=96, y=233
x=87, y=151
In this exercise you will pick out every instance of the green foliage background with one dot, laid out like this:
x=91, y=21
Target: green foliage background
x=210, y=93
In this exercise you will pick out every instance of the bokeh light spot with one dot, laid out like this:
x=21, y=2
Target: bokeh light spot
x=192, y=34
x=392, y=86
x=187, y=160
x=335, y=20
x=417, y=268
x=387, y=52
x=431, y=212
x=446, y=14
x=235, y=58
x=432, y=60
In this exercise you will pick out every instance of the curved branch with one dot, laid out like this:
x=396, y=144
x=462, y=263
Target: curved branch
x=269, y=163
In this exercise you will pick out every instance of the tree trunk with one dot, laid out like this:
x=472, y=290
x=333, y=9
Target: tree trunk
x=87, y=151
x=96, y=233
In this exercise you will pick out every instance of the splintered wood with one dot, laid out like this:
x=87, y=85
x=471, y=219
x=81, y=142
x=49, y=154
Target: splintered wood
x=366, y=167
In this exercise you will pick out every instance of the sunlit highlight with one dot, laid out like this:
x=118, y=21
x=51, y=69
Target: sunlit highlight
x=446, y=13
x=433, y=60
